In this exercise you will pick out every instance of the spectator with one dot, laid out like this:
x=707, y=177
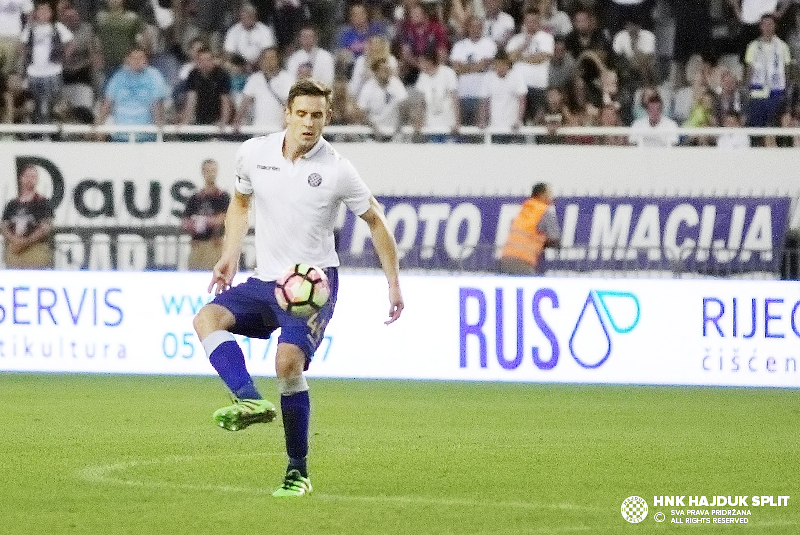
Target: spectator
x=248, y=37
x=643, y=94
x=80, y=76
x=134, y=96
x=788, y=120
x=585, y=35
x=289, y=18
x=352, y=40
x=504, y=94
x=749, y=13
x=12, y=15
x=378, y=47
x=27, y=225
x=208, y=100
x=531, y=51
x=551, y=116
x=692, y=34
x=701, y=115
x=343, y=108
x=554, y=21
x=609, y=116
x=118, y=31
x=18, y=104
x=635, y=54
x=419, y=33
x=534, y=228
x=562, y=65
x=204, y=219
x=237, y=70
x=498, y=25
x=619, y=11
x=731, y=96
x=438, y=86
x=767, y=59
x=265, y=94
x=698, y=80
x=736, y=139
x=210, y=18
x=319, y=62
x=471, y=59
x=46, y=45
x=380, y=100
x=655, y=129
x=579, y=110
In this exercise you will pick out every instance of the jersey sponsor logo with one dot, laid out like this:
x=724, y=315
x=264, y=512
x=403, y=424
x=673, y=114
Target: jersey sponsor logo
x=314, y=180
x=268, y=167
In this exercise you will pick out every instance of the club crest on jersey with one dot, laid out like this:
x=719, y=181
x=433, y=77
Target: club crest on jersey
x=314, y=180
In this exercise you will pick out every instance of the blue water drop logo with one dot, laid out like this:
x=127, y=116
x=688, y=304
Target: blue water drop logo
x=594, y=349
x=590, y=342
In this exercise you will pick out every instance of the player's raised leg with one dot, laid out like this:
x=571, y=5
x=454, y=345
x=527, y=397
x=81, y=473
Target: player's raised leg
x=225, y=355
x=290, y=361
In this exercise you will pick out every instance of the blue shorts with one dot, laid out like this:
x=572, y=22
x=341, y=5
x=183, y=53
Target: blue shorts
x=258, y=314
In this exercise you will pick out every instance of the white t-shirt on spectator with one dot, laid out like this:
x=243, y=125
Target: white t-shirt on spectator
x=249, y=43
x=363, y=72
x=503, y=94
x=663, y=134
x=439, y=91
x=499, y=27
x=733, y=141
x=469, y=51
x=558, y=23
x=11, y=12
x=40, y=65
x=753, y=9
x=269, y=99
x=535, y=75
x=622, y=45
x=321, y=61
x=382, y=104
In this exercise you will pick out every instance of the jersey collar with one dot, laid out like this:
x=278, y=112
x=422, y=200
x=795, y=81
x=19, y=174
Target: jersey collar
x=310, y=154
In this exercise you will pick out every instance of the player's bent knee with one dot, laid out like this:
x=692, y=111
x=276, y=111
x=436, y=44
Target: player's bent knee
x=212, y=318
x=289, y=361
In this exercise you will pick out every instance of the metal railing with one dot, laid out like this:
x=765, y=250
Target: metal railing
x=356, y=133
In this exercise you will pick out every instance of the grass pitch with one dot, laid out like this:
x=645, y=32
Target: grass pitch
x=94, y=454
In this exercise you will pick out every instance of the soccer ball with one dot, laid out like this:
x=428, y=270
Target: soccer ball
x=302, y=290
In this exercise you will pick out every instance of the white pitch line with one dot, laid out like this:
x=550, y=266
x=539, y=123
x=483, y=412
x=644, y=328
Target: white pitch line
x=105, y=474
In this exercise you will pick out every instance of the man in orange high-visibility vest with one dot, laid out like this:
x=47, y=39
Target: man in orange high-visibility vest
x=534, y=228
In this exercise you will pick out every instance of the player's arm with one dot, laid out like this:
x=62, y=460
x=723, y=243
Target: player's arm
x=237, y=222
x=386, y=248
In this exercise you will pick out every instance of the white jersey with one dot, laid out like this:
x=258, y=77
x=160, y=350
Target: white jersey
x=296, y=203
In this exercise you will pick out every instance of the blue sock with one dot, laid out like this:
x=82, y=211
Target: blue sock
x=228, y=359
x=295, y=410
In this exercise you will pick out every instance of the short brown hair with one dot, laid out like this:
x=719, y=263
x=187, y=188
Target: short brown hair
x=308, y=87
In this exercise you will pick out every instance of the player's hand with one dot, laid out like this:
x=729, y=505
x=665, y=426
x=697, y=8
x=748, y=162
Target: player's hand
x=222, y=275
x=396, y=304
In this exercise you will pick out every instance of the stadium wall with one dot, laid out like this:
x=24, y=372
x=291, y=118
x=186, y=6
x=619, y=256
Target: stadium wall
x=429, y=169
x=624, y=331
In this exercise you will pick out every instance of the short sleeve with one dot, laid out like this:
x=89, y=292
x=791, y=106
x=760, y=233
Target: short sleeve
x=229, y=44
x=243, y=183
x=549, y=224
x=353, y=191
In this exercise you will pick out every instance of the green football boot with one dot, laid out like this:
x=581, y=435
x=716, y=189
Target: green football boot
x=294, y=486
x=244, y=412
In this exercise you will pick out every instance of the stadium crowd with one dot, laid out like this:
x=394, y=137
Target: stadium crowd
x=434, y=66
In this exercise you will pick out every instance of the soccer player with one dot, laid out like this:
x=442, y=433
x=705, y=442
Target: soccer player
x=298, y=182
